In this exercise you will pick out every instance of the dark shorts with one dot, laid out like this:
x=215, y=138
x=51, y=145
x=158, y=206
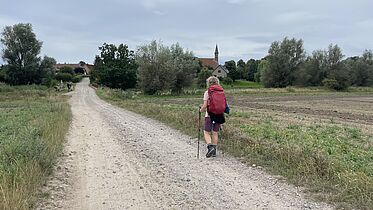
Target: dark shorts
x=211, y=126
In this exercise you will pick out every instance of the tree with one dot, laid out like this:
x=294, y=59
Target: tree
x=252, y=68
x=361, y=69
x=21, y=49
x=184, y=66
x=162, y=68
x=284, y=60
x=313, y=71
x=202, y=77
x=334, y=68
x=231, y=67
x=115, y=67
x=262, y=67
x=241, y=69
x=48, y=70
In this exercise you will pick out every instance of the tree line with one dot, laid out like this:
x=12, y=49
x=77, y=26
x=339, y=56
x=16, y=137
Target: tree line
x=287, y=64
x=155, y=67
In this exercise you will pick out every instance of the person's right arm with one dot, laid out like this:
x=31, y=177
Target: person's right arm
x=204, y=106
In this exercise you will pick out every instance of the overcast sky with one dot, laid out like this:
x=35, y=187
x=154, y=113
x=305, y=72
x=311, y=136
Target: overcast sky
x=72, y=30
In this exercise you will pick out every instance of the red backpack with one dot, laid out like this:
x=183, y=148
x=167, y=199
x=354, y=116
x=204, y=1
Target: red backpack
x=217, y=101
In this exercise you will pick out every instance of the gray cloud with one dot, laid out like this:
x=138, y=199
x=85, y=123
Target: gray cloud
x=243, y=29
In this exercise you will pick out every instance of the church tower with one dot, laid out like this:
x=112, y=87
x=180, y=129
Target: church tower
x=216, y=53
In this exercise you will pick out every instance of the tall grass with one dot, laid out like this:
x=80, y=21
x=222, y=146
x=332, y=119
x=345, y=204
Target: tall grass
x=333, y=161
x=33, y=124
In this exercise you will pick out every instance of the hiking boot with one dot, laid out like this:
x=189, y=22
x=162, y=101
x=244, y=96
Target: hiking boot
x=210, y=151
x=214, y=152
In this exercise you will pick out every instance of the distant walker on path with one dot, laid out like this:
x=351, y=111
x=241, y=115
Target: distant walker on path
x=214, y=104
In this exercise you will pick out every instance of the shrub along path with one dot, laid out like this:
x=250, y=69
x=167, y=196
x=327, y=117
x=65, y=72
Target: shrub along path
x=116, y=159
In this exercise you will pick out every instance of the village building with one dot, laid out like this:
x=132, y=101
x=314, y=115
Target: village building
x=82, y=66
x=213, y=63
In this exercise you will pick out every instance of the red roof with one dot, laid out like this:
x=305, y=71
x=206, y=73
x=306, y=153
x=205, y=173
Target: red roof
x=209, y=62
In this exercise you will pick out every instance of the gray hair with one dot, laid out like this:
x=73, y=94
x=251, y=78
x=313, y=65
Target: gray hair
x=212, y=81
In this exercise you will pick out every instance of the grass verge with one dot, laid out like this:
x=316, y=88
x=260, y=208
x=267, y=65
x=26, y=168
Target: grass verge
x=33, y=124
x=333, y=161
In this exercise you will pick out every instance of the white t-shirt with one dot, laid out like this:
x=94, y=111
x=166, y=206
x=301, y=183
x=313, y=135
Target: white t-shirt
x=205, y=98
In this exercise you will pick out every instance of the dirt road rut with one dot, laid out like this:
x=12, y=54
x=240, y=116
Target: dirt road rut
x=116, y=159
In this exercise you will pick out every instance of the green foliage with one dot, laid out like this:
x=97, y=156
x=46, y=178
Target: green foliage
x=252, y=69
x=79, y=70
x=313, y=71
x=227, y=81
x=67, y=70
x=284, y=60
x=241, y=69
x=184, y=66
x=361, y=69
x=77, y=78
x=262, y=67
x=202, y=77
x=21, y=53
x=115, y=67
x=325, y=67
x=34, y=122
x=331, y=84
x=335, y=69
x=49, y=82
x=48, y=71
x=2, y=73
x=21, y=49
x=65, y=77
x=163, y=68
x=232, y=68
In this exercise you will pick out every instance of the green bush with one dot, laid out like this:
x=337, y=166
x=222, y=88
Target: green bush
x=65, y=77
x=67, y=69
x=77, y=78
x=334, y=84
x=227, y=81
x=49, y=82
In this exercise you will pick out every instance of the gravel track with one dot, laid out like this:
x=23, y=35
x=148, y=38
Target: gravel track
x=116, y=159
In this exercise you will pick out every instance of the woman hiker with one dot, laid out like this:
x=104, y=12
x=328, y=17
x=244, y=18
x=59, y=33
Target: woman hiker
x=212, y=121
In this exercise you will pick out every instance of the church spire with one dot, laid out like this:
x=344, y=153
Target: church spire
x=216, y=53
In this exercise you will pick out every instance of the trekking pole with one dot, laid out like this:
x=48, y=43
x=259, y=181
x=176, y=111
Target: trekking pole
x=199, y=130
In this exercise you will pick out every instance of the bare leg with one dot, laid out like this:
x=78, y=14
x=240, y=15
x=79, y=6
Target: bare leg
x=215, y=138
x=207, y=137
